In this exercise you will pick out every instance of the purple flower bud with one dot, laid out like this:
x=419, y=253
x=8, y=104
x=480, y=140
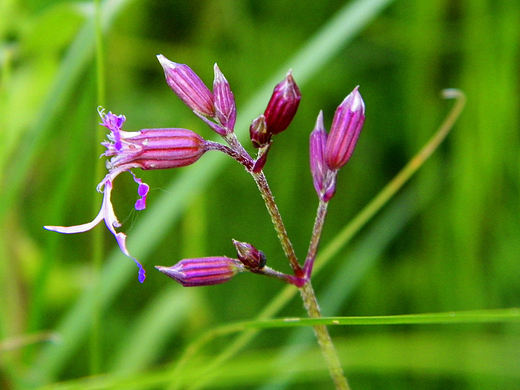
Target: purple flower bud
x=346, y=126
x=248, y=255
x=323, y=178
x=283, y=105
x=188, y=87
x=225, y=107
x=154, y=148
x=258, y=132
x=203, y=271
x=318, y=139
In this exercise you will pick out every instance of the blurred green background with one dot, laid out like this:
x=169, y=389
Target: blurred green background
x=449, y=241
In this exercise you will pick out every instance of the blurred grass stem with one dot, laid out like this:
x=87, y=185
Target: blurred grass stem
x=97, y=236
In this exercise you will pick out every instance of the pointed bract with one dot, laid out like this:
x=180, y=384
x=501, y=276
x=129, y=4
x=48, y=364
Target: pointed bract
x=261, y=158
x=318, y=139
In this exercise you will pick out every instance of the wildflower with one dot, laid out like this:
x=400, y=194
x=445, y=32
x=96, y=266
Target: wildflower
x=145, y=149
x=344, y=132
x=203, y=271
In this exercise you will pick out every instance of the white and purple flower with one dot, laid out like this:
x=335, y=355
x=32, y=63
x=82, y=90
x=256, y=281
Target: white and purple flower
x=146, y=149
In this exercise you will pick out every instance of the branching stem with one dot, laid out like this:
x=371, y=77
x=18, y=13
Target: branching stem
x=307, y=293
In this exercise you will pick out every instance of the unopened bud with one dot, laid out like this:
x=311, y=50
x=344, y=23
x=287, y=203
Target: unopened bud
x=188, y=87
x=344, y=132
x=248, y=255
x=323, y=178
x=225, y=107
x=283, y=105
x=203, y=271
x=258, y=132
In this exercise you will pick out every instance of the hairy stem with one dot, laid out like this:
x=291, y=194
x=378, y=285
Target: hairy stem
x=234, y=153
x=279, y=226
x=315, y=239
x=324, y=340
x=267, y=271
x=306, y=291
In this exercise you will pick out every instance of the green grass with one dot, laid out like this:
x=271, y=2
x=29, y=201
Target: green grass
x=447, y=242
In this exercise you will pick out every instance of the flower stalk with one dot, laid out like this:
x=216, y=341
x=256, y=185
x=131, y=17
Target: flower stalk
x=165, y=148
x=303, y=281
x=315, y=238
x=322, y=334
x=278, y=224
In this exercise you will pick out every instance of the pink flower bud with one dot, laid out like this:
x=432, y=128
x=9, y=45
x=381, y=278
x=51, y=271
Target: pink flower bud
x=323, y=178
x=203, y=271
x=283, y=105
x=225, y=107
x=154, y=148
x=346, y=126
x=188, y=87
x=258, y=132
x=248, y=255
x=318, y=139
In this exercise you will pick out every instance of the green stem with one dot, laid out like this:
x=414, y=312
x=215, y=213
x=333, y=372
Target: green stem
x=324, y=340
x=279, y=226
x=332, y=248
x=306, y=291
x=315, y=239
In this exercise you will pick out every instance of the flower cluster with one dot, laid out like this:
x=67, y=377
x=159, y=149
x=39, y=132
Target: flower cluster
x=166, y=148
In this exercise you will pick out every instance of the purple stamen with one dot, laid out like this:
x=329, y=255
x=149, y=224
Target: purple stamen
x=142, y=191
